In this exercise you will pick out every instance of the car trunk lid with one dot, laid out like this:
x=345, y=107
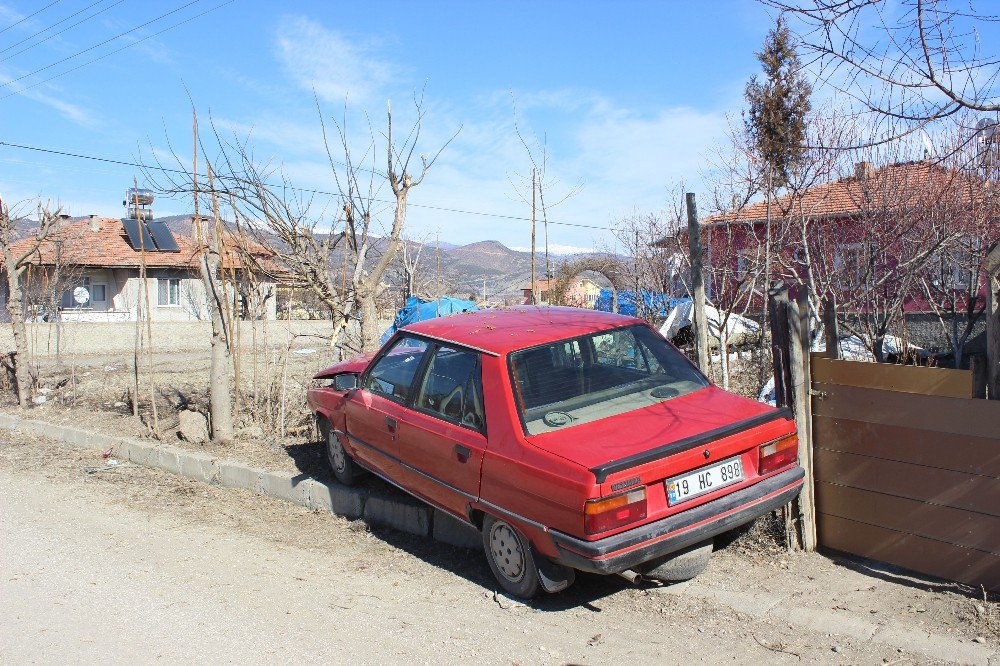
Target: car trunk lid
x=666, y=439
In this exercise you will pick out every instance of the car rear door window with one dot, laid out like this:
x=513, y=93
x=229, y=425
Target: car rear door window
x=393, y=374
x=574, y=381
x=452, y=387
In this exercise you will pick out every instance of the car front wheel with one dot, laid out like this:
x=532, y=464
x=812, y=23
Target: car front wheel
x=510, y=558
x=345, y=470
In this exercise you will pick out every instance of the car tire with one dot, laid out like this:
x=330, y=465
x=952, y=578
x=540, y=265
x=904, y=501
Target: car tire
x=344, y=469
x=683, y=565
x=510, y=558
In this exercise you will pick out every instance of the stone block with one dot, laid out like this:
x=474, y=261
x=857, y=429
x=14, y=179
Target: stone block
x=169, y=461
x=236, y=475
x=449, y=529
x=283, y=485
x=142, y=453
x=344, y=501
x=401, y=513
x=198, y=466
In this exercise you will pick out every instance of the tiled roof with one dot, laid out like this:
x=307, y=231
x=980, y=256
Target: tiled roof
x=102, y=241
x=542, y=284
x=901, y=183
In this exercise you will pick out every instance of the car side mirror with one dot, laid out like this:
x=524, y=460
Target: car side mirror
x=345, y=382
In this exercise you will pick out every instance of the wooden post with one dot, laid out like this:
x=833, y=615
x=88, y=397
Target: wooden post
x=697, y=284
x=798, y=325
x=534, y=286
x=992, y=267
x=831, y=329
x=777, y=309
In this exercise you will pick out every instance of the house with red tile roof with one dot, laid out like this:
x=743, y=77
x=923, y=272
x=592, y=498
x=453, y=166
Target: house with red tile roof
x=91, y=271
x=581, y=292
x=842, y=214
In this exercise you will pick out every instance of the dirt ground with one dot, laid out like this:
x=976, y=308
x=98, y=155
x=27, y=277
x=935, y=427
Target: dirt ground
x=134, y=563
x=95, y=392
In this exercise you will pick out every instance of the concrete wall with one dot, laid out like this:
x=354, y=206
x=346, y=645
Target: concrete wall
x=99, y=338
x=123, y=291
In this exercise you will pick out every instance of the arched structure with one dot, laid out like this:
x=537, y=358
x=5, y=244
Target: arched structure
x=569, y=270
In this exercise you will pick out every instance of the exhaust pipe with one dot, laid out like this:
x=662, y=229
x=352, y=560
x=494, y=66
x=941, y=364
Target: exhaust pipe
x=631, y=576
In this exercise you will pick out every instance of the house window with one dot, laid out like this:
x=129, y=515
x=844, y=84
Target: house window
x=850, y=264
x=168, y=291
x=99, y=293
x=79, y=295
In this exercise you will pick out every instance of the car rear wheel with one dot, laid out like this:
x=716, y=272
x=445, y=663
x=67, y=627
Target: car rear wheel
x=510, y=558
x=345, y=470
x=682, y=565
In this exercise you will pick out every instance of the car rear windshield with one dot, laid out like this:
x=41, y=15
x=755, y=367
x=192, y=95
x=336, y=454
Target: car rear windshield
x=574, y=381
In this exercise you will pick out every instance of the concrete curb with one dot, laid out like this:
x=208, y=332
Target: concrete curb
x=401, y=513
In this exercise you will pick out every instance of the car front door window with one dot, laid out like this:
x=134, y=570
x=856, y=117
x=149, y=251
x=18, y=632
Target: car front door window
x=392, y=375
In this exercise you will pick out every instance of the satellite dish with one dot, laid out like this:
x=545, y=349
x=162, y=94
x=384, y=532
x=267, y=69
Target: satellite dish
x=81, y=295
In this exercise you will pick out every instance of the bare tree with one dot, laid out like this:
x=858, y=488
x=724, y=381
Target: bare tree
x=954, y=279
x=15, y=262
x=409, y=263
x=541, y=182
x=903, y=64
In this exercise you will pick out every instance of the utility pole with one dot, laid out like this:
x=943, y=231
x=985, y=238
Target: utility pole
x=635, y=260
x=534, y=287
x=438, y=252
x=697, y=283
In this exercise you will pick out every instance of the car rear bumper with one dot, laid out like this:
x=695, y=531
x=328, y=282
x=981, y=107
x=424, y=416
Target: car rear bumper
x=628, y=549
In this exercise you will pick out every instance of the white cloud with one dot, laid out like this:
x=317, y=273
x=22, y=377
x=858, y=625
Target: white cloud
x=325, y=60
x=68, y=110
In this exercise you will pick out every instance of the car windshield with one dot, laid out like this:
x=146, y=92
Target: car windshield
x=575, y=381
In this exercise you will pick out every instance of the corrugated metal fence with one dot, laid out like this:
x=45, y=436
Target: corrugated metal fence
x=907, y=468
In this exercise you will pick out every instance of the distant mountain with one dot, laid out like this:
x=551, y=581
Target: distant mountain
x=464, y=268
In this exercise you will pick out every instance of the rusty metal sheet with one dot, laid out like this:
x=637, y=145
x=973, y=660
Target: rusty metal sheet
x=959, y=416
x=967, y=565
x=955, y=526
x=959, y=453
x=888, y=377
x=917, y=482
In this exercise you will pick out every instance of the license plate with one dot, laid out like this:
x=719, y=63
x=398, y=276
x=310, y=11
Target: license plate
x=705, y=480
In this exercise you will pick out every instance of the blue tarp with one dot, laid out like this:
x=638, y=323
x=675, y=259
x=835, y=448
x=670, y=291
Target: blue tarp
x=417, y=309
x=653, y=302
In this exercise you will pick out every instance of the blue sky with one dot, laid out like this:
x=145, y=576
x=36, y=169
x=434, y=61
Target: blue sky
x=630, y=97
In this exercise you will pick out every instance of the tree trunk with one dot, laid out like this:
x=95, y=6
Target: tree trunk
x=16, y=311
x=220, y=405
x=368, y=314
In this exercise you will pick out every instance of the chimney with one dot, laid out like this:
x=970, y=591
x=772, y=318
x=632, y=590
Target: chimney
x=95, y=223
x=862, y=170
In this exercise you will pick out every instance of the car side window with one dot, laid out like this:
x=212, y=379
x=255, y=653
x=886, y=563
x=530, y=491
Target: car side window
x=452, y=387
x=392, y=375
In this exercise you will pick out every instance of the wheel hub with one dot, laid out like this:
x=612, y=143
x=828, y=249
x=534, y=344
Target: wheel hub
x=507, y=552
x=338, y=459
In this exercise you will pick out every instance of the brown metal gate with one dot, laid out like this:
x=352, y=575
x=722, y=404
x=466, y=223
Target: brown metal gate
x=907, y=468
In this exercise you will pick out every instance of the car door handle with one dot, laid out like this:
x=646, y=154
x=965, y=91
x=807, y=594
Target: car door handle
x=462, y=453
x=390, y=423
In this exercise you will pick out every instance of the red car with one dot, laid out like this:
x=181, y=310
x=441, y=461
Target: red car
x=572, y=439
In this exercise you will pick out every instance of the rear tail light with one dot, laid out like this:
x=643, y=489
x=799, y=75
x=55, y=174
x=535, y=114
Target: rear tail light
x=601, y=515
x=777, y=454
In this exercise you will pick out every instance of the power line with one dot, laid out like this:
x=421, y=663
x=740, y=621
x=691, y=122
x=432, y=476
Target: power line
x=14, y=25
x=98, y=45
x=127, y=46
x=56, y=34
x=444, y=209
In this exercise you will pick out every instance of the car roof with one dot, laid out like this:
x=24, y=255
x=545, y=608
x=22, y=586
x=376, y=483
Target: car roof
x=504, y=330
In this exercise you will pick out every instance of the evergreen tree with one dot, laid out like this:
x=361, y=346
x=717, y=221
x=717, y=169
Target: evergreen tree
x=778, y=105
